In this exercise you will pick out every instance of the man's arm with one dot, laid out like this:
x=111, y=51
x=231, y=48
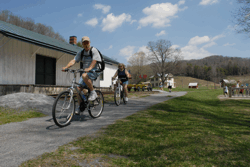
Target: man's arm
x=70, y=64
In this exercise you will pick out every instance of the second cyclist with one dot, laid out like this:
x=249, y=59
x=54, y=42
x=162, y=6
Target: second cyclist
x=122, y=72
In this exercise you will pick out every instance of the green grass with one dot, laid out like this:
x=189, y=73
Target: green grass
x=193, y=130
x=8, y=115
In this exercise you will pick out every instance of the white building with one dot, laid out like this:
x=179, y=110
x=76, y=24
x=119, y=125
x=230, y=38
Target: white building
x=29, y=58
x=156, y=80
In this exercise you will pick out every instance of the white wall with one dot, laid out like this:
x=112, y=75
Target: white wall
x=18, y=62
x=109, y=72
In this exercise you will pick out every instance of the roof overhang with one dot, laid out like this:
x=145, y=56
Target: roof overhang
x=42, y=44
x=18, y=37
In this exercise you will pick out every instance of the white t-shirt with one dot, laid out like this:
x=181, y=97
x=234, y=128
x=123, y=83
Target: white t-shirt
x=87, y=59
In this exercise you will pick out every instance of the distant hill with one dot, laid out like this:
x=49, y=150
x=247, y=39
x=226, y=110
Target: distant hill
x=182, y=81
x=243, y=78
x=213, y=68
x=218, y=60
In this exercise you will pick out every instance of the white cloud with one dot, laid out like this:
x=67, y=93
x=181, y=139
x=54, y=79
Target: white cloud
x=161, y=33
x=79, y=15
x=92, y=22
x=127, y=51
x=105, y=8
x=111, y=22
x=110, y=47
x=133, y=21
x=143, y=49
x=175, y=46
x=192, y=51
x=209, y=45
x=198, y=40
x=218, y=37
x=208, y=2
x=181, y=2
x=183, y=8
x=160, y=15
x=228, y=44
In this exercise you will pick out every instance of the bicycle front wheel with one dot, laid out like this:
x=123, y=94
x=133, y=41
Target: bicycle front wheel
x=96, y=107
x=117, y=97
x=63, y=109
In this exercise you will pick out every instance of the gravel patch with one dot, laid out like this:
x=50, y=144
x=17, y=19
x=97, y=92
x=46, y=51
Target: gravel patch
x=24, y=101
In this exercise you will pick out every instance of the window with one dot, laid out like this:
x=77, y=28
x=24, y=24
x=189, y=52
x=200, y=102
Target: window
x=101, y=76
x=156, y=84
x=152, y=79
x=156, y=79
x=153, y=85
x=45, y=70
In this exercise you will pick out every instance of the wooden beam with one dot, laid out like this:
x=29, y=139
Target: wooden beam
x=35, y=52
x=60, y=57
x=1, y=37
x=5, y=43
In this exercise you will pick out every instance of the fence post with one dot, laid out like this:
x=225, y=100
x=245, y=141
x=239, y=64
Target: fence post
x=230, y=91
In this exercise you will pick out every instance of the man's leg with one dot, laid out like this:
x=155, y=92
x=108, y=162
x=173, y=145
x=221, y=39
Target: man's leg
x=77, y=112
x=78, y=97
x=87, y=81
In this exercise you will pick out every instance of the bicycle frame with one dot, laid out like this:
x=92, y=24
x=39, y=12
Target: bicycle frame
x=119, y=86
x=74, y=86
x=119, y=92
x=62, y=118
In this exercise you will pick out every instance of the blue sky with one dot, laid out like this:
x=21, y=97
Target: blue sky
x=119, y=29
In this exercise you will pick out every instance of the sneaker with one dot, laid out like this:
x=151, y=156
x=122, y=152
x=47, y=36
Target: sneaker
x=92, y=96
x=126, y=98
x=77, y=112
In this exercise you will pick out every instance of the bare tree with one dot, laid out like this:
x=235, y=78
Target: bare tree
x=79, y=43
x=164, y=57
x=137, y=66
x=242, y=17
x=29, y=24
x=4, y=15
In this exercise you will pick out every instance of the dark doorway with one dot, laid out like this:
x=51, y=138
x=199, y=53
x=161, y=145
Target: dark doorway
x=45, y=70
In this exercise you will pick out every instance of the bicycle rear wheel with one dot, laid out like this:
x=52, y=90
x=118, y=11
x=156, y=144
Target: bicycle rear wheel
x=63, y=109
x=96, y=107
x=117, y=97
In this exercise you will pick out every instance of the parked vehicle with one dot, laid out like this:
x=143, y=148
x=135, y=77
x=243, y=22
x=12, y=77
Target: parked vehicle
x=148, y=86
x=142, y=86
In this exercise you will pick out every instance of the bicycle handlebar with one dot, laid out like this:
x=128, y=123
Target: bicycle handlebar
x=118, y=78
x=79, y=70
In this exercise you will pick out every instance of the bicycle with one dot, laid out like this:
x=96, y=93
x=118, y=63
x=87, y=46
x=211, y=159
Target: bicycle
x=119, y=93
x=64, y=106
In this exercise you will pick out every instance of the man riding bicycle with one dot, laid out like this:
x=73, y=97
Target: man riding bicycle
x=123, y=73
x=89, y=64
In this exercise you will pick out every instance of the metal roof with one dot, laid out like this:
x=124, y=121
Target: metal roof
x=193, y=84
x=25, y=35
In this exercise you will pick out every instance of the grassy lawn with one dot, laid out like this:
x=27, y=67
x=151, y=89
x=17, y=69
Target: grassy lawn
x=8, y=115
x=193, y=130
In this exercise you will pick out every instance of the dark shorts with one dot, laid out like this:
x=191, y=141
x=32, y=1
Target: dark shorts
x=169, y=87
x=125, y=82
